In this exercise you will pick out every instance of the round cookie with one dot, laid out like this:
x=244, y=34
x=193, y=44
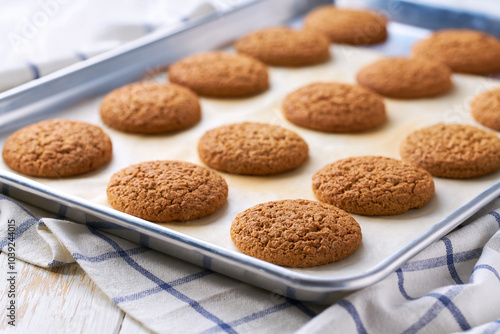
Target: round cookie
x=373, y=185
x=334, y=107
x=282, y=46
x=57, y=148
x=347, y=26
x=406, y=78
x=453, y=150
x=485, y=108
x=167, y=191
x=296, y=233
x=150, y=107
x=220, y=74
x=463, y=50
x=252, y=149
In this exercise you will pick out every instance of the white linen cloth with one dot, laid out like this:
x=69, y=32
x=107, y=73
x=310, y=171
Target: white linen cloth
x=451, y=286
x=41, y=37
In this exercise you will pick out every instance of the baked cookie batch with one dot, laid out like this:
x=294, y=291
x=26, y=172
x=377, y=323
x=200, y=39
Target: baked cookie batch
x=57, y=148
x=252, y=149
x=290, y=232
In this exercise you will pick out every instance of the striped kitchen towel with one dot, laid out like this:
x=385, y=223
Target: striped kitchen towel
x=452, y=286
x=165, y=294
x=41, y=37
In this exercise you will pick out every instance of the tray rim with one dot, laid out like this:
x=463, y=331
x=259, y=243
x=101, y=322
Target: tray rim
x=291, y=278
x=282, y=275
x=106, y=71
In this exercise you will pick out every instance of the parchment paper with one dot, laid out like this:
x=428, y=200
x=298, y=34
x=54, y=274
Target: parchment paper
x=382, y=236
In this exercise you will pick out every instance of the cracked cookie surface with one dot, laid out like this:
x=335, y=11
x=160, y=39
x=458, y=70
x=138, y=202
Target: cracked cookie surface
x=57, y=148
x=252, y=149
x=406, y=77
x=373, y=185
x=334, y=107
x=453, y=150
x=463, y=50
x=485, y=108
x=150, y=107
x=167, y=191
x=296, y=233
x=220, y=74
x=282, y=46
x=347, y=26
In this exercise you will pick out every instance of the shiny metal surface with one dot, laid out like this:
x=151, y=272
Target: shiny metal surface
x=268, y=276
x=39, y=98
x=434, y=17
x=35, y=100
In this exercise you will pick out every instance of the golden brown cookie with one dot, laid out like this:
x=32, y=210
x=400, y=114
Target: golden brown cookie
x=57, y=148
x=453, y=150
x=347, y=26
x=252, y=149
x=334, y=107
x=220, y=74
x=150, y=107
x=373, y=185
x=296, y=233
x=167, y=191
x=406, y=78
x=463, y=50
x=282, y=46
x=485, y=108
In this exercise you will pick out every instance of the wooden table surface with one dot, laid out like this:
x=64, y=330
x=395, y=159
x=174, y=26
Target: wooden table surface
x=60, y=300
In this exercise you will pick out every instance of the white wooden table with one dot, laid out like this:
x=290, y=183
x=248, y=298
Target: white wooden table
x=60, y=300
x=65, y=300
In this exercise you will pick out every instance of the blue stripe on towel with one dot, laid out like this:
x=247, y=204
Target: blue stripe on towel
x=441, y=260
x=401, y=281
x=34, y=69
x=302, y=307
x=261, y=314
x=17, y=204
x=157, y=289
x=450, y=262
x=435, y=310
x=454, y=310
x=444, y=301
x=21, y=228
x=497, y=217
x=169, y=289
x=252, y=317
x=349, y=307
x=484, y=266
x=110, y=255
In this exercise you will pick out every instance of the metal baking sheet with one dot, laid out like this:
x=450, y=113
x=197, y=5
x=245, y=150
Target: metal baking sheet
x=387, y=241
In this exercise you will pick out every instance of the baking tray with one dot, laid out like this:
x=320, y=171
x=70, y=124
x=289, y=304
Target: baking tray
x=388, y=242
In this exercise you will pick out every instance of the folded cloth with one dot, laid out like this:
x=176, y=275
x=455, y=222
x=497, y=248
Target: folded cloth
x=44, y=36
x=451, y=286
x=165, y=294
